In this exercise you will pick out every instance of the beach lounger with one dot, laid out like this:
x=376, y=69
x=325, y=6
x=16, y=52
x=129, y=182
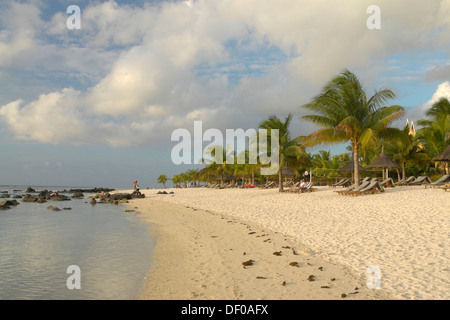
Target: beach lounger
x=353, y=188
x=366, y=179
x=446, y=187
x=287, y=184
x=387, y=183
x=441, y=181
x=420, y=181
x=373, y=187
x=267, y=185
x=405, y=182
x=307, y=188
x=341, y=183
x=349, y=188
x=293, y=188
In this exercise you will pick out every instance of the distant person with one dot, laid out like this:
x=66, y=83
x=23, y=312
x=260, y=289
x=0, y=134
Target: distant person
x=135, y=185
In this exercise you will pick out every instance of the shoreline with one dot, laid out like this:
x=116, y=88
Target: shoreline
x=200, y=254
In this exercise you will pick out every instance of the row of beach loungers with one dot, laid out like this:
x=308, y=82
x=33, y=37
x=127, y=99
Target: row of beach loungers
x=289, y=186
x=373, y=185
x=367, y=185
x=425, y=180
x=386, y=183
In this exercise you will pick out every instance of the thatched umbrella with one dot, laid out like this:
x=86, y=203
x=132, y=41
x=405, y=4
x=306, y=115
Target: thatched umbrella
x=444, y=156
x=350, y=166
x=286, y=171
x=229, y=177
x=384, y=162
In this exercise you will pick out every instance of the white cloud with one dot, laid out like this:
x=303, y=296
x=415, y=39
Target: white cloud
x=442, y=91
x=53, y=118
x=142, y=64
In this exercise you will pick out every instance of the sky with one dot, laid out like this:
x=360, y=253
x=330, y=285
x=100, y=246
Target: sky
x=96, y=106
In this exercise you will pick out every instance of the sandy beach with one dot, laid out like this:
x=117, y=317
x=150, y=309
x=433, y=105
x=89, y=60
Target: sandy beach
x=316, y=245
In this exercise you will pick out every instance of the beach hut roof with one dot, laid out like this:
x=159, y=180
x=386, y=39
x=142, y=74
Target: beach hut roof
x=287, y=171
x=444, y=156
x=383, y=161
x=350, y=166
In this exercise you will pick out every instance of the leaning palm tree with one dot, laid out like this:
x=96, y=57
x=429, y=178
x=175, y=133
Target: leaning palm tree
x=163, y=179
x=346, y=113
x=288, y=149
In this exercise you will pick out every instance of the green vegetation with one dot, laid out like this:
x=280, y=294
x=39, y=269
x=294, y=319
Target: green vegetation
x=343, y=112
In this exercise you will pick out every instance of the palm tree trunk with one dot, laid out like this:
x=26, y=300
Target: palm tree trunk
x=280, y=180
x=403, y=170
x=355, y=160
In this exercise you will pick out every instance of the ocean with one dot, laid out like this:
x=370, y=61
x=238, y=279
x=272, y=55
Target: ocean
x=90, y=252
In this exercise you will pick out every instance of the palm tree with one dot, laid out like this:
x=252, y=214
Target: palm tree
x=435, y=134
x=194, y=175
x=221, y=159
x=176, y=180
x=406, y=147
x=163, y=179
x=346, y=113
x=184, y=178
x=288, y=149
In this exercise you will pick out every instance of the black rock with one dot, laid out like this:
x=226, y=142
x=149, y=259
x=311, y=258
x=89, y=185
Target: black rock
x=29, y=198
x=137, y=194
x=12, y=202
x=7, y=204
x=120, y=196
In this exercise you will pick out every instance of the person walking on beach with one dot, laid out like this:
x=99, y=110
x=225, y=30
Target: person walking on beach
x=135, y=185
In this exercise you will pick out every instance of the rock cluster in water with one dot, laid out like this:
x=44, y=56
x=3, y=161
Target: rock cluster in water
x=45, y=196
x=116, y=198
x=102, y=196
x=7, y=204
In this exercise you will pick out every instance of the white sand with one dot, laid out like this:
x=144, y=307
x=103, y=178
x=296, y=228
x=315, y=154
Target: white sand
x=403, y=231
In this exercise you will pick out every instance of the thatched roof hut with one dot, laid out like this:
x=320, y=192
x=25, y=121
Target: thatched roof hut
x=383, y=161
x=350, y=166
x=444, y=156
x=286, y=171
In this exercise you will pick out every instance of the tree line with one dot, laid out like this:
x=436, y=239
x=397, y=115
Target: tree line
x=344, y=113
